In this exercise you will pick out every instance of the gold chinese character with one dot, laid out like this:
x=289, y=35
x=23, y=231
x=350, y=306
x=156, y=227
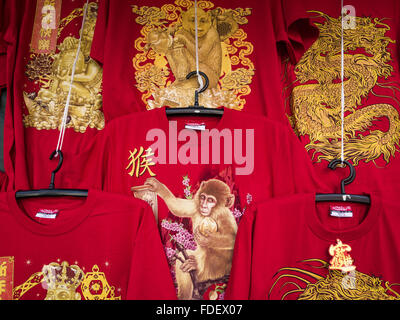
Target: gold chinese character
x=2, y=286
x=49, y=3
x=44, y=44
x=139, y=162
x=341, y=258
x=3, y=269
x=45, y=33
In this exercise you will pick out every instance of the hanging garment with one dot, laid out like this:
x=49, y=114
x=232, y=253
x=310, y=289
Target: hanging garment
x=42, y=40
x=148, y=48
x=371, y=89
x=3, y=181
x=103, y=247
x=300, y=249
x=3, y=50
x=200, y=175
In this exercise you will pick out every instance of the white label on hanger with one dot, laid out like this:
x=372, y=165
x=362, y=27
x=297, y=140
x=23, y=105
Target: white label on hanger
x=195, y=126
x=341, y=211
x=47, y=214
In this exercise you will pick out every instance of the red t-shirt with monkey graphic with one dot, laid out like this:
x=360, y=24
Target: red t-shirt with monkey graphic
x=318, y=251
x=371, y=88
x=147, y=48
x=200, y=175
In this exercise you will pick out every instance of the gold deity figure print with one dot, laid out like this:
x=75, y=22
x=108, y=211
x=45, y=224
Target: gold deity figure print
x=52, y=72
x=167, y=54
x=315, y=98
x=203, y=258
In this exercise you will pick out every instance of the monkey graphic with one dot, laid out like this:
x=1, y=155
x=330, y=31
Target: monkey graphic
x=214, y=231
x=179, y=46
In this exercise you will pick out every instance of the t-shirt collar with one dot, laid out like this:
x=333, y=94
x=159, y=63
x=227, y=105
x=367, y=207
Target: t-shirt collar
x=222, y=123
x=75, y=216
x=322, y=231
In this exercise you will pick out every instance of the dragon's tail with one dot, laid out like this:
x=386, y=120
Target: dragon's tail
x=363, y=147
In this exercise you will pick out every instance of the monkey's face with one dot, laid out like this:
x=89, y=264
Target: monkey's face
x=203, y=22
x=207, y=203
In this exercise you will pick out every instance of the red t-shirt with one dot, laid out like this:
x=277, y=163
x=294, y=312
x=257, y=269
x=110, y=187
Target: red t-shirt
x=3, y=49
x=41, y=40
x=148, y=48
x=105, y=246
x=3, y=181
x=289, y=251
x=3, y=81
x=258, y=159
x=371, y=88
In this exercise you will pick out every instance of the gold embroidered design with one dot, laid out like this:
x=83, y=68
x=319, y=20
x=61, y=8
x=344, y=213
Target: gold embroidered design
x=315, y=101
x=63, y=282
x=95, y=286
x=32, y=281
x=337, y=285
x=6, y=277
x=52, y=72
x=166, y=54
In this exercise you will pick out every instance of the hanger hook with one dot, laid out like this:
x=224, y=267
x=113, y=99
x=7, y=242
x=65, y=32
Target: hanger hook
x=333, y=164
x=197, y=91
x=60, y=161
x=207, y=82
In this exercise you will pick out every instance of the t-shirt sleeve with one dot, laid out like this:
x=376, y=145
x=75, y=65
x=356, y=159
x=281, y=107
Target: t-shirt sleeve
x=88, y=168
x=3, y=18
x=300, y=33
x=293, y=168
x=238, y=287
x=3, y=181
x=398, y=32
x=100, y=32
x=150, y=278
x=3, y=77
x=3, y=48
x=11, y=15
x=269, y=213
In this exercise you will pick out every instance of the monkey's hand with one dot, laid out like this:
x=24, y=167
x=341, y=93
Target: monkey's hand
x=201, y=239
x=190, y=264
x=155, y=185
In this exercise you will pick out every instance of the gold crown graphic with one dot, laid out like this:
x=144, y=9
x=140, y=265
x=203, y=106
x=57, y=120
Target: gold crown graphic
x=62, y=281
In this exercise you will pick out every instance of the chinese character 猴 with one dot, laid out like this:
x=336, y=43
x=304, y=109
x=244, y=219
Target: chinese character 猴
x=139, y=162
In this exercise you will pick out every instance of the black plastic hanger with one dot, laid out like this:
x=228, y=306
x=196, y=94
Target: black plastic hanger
x=343, y=196
x=51, y=191
x=196, y=109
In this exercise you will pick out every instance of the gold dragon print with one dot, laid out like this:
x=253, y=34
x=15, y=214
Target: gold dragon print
x=336, y=285
x=167, y=53
x=52, y=72
x=315, y=100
